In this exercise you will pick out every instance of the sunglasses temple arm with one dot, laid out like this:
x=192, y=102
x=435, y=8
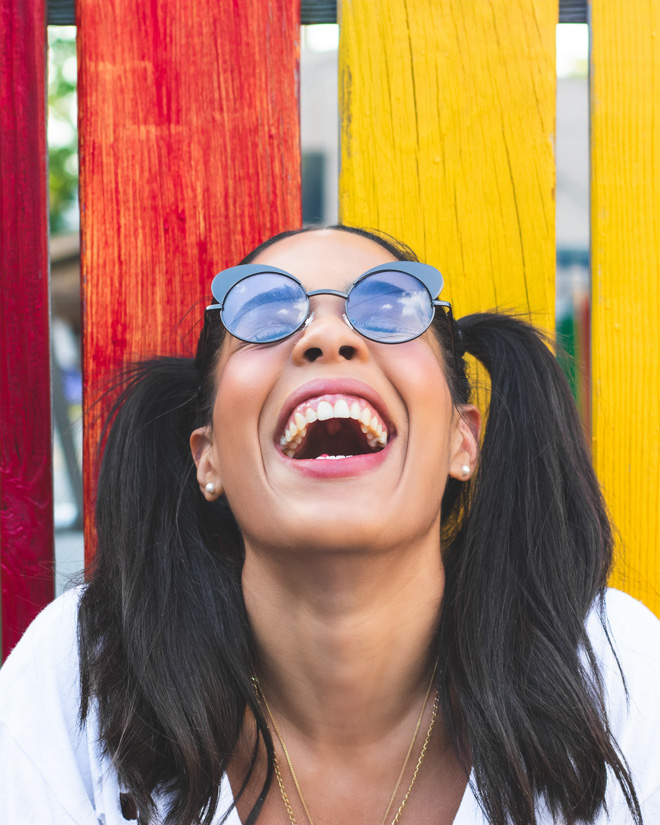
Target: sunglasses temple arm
x=446, y=306
x=200, y=357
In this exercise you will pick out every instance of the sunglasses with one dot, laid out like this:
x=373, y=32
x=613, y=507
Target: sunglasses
x=391, y=303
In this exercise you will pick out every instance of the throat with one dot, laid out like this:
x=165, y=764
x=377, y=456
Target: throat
x=364, y=780
x=326, y=655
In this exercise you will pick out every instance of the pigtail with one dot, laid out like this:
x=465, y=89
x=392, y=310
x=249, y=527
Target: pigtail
x=532, y=553
x=163, y=633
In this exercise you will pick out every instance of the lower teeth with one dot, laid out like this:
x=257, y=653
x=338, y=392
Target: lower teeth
x=332, y=456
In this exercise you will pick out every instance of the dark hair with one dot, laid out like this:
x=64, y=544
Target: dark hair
x=165, y=643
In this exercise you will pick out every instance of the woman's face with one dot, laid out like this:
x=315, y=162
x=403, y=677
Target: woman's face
x=281, y=494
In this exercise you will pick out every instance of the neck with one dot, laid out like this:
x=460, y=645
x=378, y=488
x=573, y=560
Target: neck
x=344, y=640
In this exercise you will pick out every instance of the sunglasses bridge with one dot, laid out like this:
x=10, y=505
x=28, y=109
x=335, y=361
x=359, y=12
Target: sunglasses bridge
x=335, y=292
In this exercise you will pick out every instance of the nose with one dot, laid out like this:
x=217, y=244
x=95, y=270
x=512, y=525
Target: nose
x=328, y=335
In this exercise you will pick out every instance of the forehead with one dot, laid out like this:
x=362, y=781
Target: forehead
x=326, y=259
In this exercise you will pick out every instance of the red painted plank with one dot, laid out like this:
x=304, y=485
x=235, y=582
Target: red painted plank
x=26, y=498
x=189, y=140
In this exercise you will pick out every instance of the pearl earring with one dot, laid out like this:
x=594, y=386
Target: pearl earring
x=465, y=470
x=210, y=488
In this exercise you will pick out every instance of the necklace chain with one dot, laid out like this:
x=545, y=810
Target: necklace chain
x=278, y=774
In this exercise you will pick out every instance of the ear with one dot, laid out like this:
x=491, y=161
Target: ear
x=464, y=452
x=208, y=476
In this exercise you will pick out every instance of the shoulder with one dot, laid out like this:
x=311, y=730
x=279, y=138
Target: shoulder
x=46, y=658
x=627, y=644
x=48, y=647
x=49, y=759
x=630, y=669
x=634, y=633
x=39, y=682
x=630, y=615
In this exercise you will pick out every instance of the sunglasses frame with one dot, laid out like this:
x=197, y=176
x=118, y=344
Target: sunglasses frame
x=430, y=278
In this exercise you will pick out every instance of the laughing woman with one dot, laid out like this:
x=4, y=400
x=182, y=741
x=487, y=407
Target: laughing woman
x=321, y=596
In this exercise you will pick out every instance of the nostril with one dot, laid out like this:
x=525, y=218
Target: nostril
x=312, y=353
x=347, y=352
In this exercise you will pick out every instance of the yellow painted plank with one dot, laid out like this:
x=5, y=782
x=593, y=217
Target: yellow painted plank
x=448, y=115
x=625, y=226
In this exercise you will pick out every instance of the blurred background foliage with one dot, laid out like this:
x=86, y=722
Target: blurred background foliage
x=62, y=129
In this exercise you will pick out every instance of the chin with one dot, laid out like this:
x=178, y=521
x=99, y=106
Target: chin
x=340, y=527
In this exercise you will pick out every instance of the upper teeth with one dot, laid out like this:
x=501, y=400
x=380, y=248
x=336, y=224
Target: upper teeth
x=329, y=407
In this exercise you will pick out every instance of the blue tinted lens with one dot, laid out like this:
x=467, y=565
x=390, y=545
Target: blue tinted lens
x=265, y=307
x=390, y=307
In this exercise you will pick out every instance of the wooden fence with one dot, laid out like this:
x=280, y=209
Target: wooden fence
x=189, y=156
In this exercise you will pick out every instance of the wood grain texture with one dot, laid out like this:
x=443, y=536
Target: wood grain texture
x=448, y=118
x=26, y=499
x=189, y=151
x=625, y=226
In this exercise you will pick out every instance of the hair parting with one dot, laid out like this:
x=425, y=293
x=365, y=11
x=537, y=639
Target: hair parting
x=165, y=644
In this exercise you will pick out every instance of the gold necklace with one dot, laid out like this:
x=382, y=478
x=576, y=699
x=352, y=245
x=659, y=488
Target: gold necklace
x=278, y=774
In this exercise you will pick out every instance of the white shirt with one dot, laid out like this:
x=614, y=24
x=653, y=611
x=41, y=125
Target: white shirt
x=52, y=772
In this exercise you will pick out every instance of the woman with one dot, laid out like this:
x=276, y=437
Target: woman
x=317, y=598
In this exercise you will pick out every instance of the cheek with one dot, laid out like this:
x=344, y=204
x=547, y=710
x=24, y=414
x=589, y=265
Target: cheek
x=416, y=369
x=244, y=382
x=421, y=380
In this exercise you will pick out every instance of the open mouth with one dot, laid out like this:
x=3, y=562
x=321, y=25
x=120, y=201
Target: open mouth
x=333, y=427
